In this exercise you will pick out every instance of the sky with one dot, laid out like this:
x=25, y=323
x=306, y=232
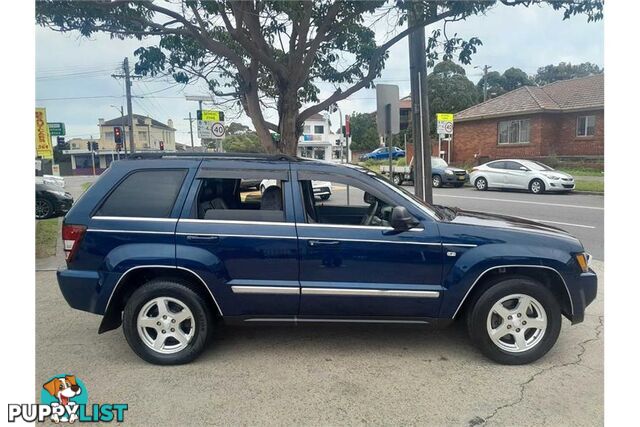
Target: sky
x=69, y=66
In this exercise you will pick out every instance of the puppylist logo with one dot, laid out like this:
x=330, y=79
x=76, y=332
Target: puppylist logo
x=63, y=399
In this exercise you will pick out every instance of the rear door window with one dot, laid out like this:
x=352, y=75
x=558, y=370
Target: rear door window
x=496, y=165
x=148, y=194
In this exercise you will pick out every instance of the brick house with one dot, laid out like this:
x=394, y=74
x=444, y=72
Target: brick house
x=564, y=119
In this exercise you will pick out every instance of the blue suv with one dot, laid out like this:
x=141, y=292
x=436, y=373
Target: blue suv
x=166, y=246
x=383, y=153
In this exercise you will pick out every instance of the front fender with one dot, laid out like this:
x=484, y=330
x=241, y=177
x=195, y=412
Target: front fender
x=473, y=263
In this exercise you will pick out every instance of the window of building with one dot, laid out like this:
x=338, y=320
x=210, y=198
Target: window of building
x=306, y=152
x=257, y=197
x=306, y=129
x=513, y=131
x=319, y=153
x=586, y=126
x=318, y=129
x=108, y=136
x=149, y=194
x=326, y=202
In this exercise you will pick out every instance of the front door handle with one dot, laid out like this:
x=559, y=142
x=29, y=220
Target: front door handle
x=193, y=237
x=323, y=242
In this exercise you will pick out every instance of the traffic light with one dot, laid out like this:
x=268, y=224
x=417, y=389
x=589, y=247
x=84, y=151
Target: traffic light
x=92, y=145
x=117, y=137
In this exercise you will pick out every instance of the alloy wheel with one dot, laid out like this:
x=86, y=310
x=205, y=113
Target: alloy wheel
x=166, y=325
x=43, y=209
x=516, y=323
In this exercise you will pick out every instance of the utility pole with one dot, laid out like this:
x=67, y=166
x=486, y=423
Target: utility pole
x=190, y=128
x=484, y=80
x=127, y=84
x=420, y=103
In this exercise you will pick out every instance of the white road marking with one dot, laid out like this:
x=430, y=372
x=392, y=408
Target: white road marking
x=520, y=201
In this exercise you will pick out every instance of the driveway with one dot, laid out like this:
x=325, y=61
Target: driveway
x=327, y=374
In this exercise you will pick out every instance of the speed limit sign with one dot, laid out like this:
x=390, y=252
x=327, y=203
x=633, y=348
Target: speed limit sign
x=217, y=129
x=448, y=127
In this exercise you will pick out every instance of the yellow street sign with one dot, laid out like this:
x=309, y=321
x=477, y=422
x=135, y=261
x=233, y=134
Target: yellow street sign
x=43, y=139
x=210, y=116
x=444, y=117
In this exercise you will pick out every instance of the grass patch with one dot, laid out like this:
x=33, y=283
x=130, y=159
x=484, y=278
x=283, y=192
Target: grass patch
x=47, y=231
x=86, y=186
x=596, y=186
x=582, y=172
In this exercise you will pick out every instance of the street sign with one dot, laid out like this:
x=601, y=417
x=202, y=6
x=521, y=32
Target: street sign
x=388, y=95
x=56, y=129
x=43, y=139
x=210, y=124
x=445, y=123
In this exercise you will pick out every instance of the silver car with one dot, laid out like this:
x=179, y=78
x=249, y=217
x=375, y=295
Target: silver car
x=520, y=174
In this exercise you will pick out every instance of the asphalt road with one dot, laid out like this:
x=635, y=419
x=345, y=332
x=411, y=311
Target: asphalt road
x=582, y=215
x=327, y=374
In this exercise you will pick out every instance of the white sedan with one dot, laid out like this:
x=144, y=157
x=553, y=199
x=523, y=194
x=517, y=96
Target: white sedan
x=520, y=174
x=321, y=189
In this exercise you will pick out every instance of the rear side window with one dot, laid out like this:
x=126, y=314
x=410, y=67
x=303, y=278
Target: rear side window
x=149, y=194
x=497, y=165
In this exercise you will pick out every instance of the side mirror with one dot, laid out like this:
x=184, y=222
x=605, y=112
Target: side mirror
x=401, y=219
x=522, y=168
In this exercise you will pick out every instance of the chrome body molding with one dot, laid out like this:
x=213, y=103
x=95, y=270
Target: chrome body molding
x=508, y=266
x=134, y=218
x=255, y=236
x=296, y=319
x=342, y=239
x=235, y=222
x=370, y=292
x=356, y=227
x=287, y=290
x=100, y=230
x=460, y=245
x=106, y=309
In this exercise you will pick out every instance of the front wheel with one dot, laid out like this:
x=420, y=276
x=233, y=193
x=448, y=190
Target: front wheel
x=397, y=179
x=166, y=323
x=436, y=181
x=481, y=184
x=536, y=186
x=44, y=209
x=515, y=321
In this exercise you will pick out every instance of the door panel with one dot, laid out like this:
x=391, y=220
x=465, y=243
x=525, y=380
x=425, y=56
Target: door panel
x=364, y=271
x=515, y=177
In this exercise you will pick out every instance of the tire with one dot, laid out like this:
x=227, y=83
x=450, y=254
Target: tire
x=325, y=197
x=481, y=184
x=436, y=181
x=44, y=209
x=536, y=186
x=262, y=189
x=397, y=179
x=177, y=294
x=534, y=342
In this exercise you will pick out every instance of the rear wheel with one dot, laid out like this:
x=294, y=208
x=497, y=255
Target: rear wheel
x=481, y=184
x=436, y=181
x=166, y=323
x=515, y=321
x=536, y=186
x=44, y=209
x=397, y=179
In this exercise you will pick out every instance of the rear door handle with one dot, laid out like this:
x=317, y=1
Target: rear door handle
x=193, y=237
x=323, y=242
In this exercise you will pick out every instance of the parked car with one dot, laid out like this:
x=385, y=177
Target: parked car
x=51, y=200
x=441, y=174
x=165, y=246
x=321, y=189
x=249, y=184
x=383, y=153
x=52, y=179
x=521, y=174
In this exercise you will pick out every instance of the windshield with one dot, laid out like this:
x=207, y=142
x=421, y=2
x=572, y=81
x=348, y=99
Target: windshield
x=437, y=162
x=537, y=166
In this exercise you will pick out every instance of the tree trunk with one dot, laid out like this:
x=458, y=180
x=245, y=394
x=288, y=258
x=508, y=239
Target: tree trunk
x=288, y=128
x=251, y=104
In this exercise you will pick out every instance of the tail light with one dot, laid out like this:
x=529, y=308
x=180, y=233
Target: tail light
x=71, y=237
x=474, y=169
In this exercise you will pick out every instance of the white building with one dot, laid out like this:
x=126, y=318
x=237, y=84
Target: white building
x=318, y=141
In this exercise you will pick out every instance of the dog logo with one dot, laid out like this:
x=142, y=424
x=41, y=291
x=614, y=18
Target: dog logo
x=64, y=393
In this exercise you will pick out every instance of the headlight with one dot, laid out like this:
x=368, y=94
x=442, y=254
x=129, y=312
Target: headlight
x=554, y=177
x=448, y=172
x=59, y=193
x=584, y=261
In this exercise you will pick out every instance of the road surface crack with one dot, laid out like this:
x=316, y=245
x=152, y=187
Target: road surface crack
x=599, y=329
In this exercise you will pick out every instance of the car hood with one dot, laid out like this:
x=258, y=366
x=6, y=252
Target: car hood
x=502, y=221
x=555, y=173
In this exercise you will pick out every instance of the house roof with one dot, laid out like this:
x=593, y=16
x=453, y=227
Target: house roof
x=139, y=120
x=583, y=93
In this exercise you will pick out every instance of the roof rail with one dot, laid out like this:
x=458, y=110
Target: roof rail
x=196, y=155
